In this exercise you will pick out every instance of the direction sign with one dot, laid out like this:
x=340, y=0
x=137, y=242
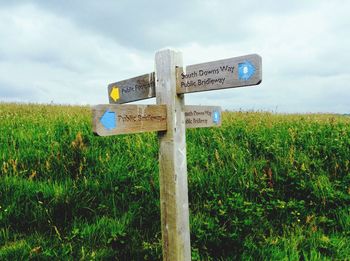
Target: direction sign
x=122, y=119
x=134, y=89
x=172, y=117
x=229, y=73
x=202, y=116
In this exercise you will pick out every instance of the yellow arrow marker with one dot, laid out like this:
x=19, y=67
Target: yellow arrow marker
x=115, y=93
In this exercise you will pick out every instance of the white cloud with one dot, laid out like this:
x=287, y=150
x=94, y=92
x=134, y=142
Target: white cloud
x=58, y=61
x=68, y=53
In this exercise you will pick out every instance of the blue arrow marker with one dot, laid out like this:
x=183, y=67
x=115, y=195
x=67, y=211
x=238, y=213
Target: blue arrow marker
x=245, y=70
x=216, y=117
x=108, y=120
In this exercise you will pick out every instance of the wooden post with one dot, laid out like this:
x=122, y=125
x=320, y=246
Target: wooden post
x=172, y=160
x=170, y=118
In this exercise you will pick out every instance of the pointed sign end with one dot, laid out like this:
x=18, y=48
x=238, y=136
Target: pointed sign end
x=115, y=93
x=108, y=120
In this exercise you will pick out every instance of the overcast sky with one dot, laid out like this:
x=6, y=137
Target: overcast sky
x=67, y=52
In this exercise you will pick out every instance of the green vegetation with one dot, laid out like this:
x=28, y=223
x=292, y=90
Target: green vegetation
x=263, y=186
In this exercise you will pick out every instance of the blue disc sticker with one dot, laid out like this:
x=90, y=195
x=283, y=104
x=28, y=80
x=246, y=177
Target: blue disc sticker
x=216, y=117
x=108, y=120
x=245, y=70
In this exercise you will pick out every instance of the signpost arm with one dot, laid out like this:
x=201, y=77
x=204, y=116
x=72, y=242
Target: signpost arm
x=172, y=161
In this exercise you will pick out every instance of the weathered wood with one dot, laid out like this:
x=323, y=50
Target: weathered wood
x=172, y=161
x=123, y=119
x=134, y=89
x=202, y=116
x=228, y=73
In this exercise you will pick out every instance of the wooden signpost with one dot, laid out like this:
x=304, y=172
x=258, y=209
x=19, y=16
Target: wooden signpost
x=123, y=119
x=170, y=117
x=229, y=73
x=202, y=116
x=134, y=89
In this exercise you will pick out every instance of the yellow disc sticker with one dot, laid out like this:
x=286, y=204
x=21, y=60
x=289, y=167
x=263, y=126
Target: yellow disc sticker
x=115, y=93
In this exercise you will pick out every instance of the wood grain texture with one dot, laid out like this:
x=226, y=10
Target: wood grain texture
x=130, y=119
x=134, y=89
x=202, y=116
x=220, y=74
x=172, y=161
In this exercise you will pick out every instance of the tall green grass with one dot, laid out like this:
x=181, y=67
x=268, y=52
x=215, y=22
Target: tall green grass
x=263, y=186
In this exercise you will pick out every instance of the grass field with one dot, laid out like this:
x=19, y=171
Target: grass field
x=262, y=187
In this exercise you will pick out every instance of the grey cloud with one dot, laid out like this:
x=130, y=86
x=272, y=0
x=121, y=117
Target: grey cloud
x=79, y=47
x=151, y=25
x=13, y=92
